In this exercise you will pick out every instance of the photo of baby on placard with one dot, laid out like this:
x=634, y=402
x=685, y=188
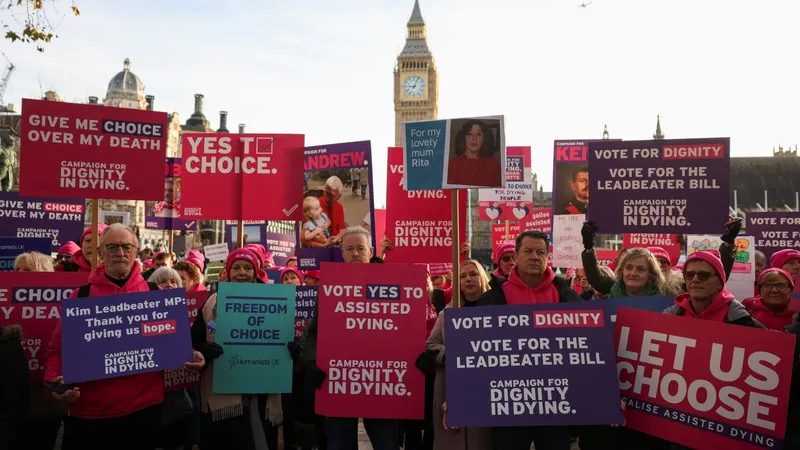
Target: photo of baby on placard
x=475, y=155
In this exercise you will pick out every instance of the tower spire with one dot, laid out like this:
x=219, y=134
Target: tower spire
x=659, y=134
x=605, y=131
x=416, y=15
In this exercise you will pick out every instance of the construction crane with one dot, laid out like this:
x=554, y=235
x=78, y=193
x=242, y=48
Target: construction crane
x=6, y=75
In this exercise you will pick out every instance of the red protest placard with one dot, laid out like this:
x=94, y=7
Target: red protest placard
x=419, y=223
x=33, y=300
x=515, y=201
x=605, y=256
x=703, y=384
x=371, y=330
x=69, y=150
x=242, y=176
x=175, y=379
x=540, y=220
x=668, y=242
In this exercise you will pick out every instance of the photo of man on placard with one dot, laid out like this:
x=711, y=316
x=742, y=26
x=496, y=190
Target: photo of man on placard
x=572, y=191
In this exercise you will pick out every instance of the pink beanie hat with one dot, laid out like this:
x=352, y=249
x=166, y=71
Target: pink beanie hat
x=502, y=249
x=778, y=259
x=712, y=258
x=780, y=271
x=69, y=248
x=100, y=228
x=293, y=270
x=241, y=254
x=659, y=252
x=313, y=274
x=197, y=259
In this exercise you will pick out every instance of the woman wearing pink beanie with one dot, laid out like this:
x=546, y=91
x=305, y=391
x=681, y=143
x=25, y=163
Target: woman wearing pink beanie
x=787, y=259
x=82, y=258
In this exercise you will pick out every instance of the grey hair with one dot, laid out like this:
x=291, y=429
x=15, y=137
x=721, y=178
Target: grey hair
x=163, y=274
x=334, y=183
x=119, y=226
x=357, y=230
x=36, y=262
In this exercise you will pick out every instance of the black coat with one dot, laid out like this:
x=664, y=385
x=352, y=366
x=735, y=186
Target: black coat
x=14, y=385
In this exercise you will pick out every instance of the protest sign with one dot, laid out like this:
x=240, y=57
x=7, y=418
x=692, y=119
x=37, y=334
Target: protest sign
x=703, y=384
x=11, y=247
x=175, y=379
x=605, y=256
x=515, y=202
x=254, y=323
x=90, y=151
x=118, y=335
x=254, y=233
x=112, y=217
x=794, y=304
x=530, y=365
x=774, y=231
x=349, y=164
x=567, y=241
x=666, y=186
x=166, y=214
x=369, y=340
x=304, y=308
x=380, y=224
x=654, y=303
x=467, y=153
x=216, y=252
x=420, y=223
x=743, y=275
x=570, y=177
x=225, y=176
x=540, y=219
x=669, y=242
x=281, y=246
x=59, y=219
x=31, y=299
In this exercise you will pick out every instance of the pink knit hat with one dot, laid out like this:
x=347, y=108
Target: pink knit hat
x=294, y=270
x=241, y=254
x=780, y=271
x=711, y=257
x=259, y=251
x=502, y=249
x=778, y=259
x=100, y=228
x=148, y=263
x=69, y=248
x=313, y=274
x=659, y=252
x=197, y=259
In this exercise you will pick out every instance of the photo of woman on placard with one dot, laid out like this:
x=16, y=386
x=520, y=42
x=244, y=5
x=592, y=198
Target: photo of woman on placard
x=475, y=154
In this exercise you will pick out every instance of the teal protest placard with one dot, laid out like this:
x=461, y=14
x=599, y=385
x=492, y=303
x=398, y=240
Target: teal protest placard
x=254, y=322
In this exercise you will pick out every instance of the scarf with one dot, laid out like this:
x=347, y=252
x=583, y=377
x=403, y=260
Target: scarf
x=224, y=406
x=618, y=290
x=717, y=311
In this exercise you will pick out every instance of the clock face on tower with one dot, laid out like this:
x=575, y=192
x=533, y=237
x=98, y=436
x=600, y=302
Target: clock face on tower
x=413, y=86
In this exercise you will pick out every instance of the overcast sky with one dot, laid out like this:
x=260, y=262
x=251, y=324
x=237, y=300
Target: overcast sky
x=556, y=71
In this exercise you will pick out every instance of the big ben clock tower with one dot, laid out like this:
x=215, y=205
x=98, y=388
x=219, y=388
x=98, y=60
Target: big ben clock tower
x=416, y=95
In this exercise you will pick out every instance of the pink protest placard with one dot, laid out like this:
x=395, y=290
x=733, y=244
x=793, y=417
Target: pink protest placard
x=419, y=223
x=33, y=301
x=371, y=330
x=515, y=201
x=175, y=379
x=90, y=151
x=703, y=384
x=242, y=176
x=669, y=242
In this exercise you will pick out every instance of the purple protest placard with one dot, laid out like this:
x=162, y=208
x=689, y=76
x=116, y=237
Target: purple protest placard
x=530, y=365
x=118, y=335
x=281, y=246
x=774, y=231
x=59, y=219
x=166, y=214
x=303, y=308
x=661, y=186
x=351, y=163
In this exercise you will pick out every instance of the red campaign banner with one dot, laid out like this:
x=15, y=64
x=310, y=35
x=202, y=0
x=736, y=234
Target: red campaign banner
x=515, y=201
x=419, y=223
x=380, y=225
x=70, y=150
x=668, y=242
x=242, y=176
x=175, y=379
x=370, y=334
x=605, y=256
x=703, y=385
x=33, y=300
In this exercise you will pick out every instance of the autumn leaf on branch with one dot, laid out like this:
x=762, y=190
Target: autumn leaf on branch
x=29, y=21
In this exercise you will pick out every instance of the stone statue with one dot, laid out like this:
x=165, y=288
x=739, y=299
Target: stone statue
x=8, y=162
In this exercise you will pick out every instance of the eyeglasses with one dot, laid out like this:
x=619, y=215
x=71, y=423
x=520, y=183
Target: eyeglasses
x=770, y=286
x=702, y=276
x=114, y=248
x=506, y=258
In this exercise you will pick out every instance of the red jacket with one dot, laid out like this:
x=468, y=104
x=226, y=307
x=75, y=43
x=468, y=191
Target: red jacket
x=772, y=320
x=518, y=293
x=113, y=397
